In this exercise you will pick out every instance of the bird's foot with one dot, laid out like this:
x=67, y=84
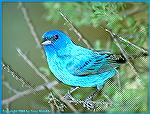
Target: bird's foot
x=60, y=106
x=69, y=97
x=88, y=103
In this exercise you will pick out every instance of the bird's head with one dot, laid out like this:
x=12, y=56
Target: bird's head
x=55, y=39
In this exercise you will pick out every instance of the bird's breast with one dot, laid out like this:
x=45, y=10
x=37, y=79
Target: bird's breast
x=58, y=68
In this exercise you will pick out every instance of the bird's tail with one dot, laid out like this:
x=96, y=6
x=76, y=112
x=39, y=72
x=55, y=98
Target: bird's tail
x=119, y=58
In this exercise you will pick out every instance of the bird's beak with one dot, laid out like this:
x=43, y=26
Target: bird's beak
x=47, y=42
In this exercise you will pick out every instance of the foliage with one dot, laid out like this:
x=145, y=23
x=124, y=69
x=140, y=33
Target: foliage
x=126, y=19
x=130, y=98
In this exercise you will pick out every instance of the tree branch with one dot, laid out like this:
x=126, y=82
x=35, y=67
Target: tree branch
x=72, y=27
x=41, y=87
x=6, y=84
x=116, y=39
x=16, y=75
x=30, y=25
x=26, y=59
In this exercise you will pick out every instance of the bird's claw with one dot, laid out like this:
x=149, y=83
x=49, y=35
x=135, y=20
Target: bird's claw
x=89, y=104
x=68, y=97
x=56, y=102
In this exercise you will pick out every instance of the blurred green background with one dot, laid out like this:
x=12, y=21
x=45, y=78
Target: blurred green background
x=129, y=20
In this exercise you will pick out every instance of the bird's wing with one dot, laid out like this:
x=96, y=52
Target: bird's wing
x=92, y=63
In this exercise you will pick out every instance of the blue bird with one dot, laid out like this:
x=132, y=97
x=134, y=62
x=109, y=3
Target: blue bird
x=77, y=66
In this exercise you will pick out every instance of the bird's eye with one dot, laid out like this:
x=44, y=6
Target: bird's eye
x=56, y=37
x=45, y=38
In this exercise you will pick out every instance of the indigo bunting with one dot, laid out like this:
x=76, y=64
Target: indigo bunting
x=77, y=66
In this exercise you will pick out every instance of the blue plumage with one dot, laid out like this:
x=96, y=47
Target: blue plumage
x=77, y=66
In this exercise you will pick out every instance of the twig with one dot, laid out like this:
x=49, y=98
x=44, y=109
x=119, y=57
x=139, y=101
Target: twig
x=140, y=48
x=115, y=38
x=72, y=27
x=60, y=106
x=31, y=65
x=29, y=91
x=55, y=102
x=16, y=75
x=65, y=101
x=124, y=40
x=9, y=87
x=30, y=25
x=98, y=103
x=133, y=11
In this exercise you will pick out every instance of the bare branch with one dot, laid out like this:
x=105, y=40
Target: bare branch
x=30, y=25
x=16, y=75
x=140, y=48
x=49, y=85
x=6, y=84
x=72, y=27
x=26, y=59
x=133, y=11
x=98, y=103
x=115, y=39
x=65, y=101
